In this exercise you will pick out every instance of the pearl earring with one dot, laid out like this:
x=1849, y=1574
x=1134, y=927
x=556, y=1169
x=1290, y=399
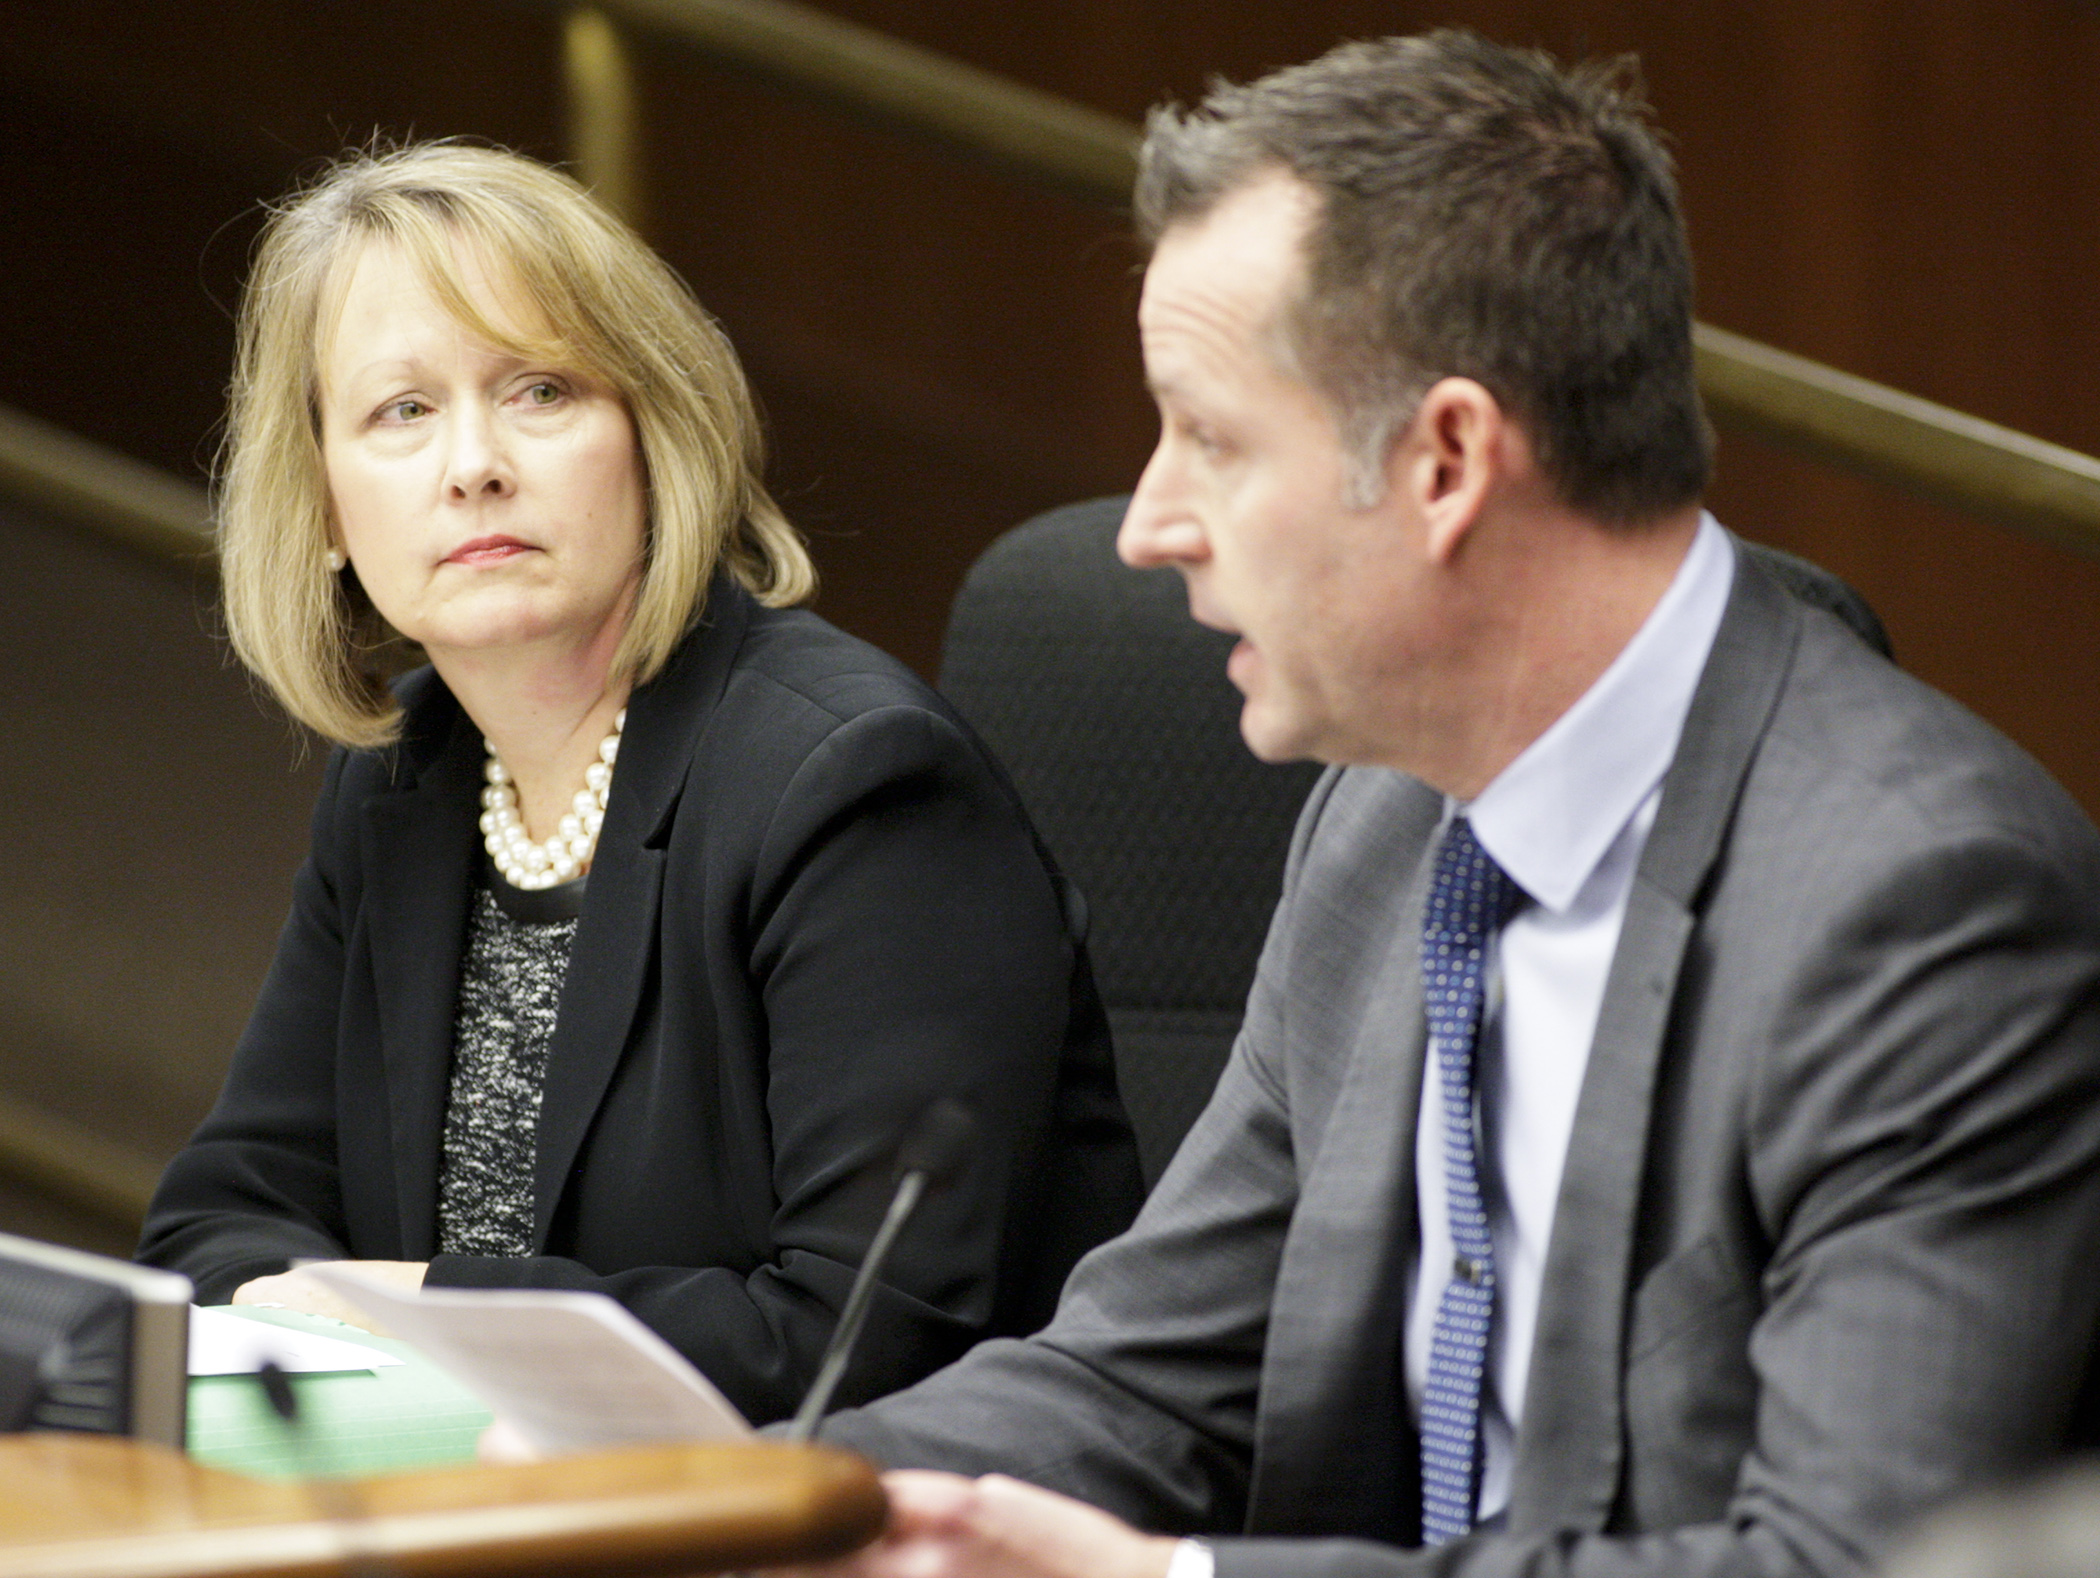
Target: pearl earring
x=336, y=561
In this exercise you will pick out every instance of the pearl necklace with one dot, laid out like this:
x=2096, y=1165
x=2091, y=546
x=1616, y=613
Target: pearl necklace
x=526, y=863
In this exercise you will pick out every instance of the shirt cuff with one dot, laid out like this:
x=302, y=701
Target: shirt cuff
x=1192, y=1559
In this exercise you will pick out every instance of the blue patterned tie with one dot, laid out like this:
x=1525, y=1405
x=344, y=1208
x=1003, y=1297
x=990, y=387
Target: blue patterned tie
x=1469, y=900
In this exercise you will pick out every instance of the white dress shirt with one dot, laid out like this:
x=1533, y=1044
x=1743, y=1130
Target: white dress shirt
x=1567, y=820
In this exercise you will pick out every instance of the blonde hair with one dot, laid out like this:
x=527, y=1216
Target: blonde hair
x=613, y=309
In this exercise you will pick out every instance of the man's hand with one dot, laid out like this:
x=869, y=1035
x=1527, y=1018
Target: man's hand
x=295, y=1290
x=943, y=1526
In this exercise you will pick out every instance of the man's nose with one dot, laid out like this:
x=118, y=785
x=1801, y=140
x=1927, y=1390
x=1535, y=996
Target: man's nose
x=1159, y=528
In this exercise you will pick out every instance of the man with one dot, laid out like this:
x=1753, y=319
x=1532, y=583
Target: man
x=1665, y=1134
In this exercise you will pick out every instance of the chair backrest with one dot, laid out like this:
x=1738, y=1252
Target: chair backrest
x=1111, y=710
x=1818, y=588
x=1110, y=707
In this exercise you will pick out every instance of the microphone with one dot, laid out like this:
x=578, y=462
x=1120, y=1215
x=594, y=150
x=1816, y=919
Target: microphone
x=932, y=1152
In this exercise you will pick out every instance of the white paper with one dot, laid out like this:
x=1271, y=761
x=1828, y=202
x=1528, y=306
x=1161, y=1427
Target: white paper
x=569, y=1371
x=223, y=1344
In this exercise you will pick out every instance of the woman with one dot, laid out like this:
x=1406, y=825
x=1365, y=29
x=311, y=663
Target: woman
x=637, y=926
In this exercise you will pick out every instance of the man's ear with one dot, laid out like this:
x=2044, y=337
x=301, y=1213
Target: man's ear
x=1449, y=461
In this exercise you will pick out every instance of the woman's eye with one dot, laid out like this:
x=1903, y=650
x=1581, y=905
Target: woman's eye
x=404, y=410
x=544, y=392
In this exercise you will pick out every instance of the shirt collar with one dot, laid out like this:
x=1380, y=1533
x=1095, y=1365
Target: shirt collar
x=1549, y=816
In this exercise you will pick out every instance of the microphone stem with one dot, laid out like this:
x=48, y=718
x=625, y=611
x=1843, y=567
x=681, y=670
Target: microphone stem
x=855, y=1314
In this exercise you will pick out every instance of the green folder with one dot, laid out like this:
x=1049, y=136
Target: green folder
x=410, y=1415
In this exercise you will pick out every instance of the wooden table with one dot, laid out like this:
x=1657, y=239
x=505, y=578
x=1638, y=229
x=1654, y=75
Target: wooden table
x=77, y=1506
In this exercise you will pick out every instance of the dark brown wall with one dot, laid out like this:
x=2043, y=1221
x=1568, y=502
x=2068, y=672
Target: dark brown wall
x=1910, y=192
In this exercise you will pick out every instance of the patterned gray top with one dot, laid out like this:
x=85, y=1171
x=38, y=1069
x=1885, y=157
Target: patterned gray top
x=509, y=989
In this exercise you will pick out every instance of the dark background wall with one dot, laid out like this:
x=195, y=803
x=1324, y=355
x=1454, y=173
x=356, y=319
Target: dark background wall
x=1911, y=193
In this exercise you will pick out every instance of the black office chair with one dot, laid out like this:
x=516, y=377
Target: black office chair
x=1111, y=710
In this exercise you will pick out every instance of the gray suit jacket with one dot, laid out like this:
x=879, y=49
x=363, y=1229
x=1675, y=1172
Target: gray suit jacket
x=1825, y=1242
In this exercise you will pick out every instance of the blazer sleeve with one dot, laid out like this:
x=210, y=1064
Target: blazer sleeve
x=257, y=1185
x=898, y=938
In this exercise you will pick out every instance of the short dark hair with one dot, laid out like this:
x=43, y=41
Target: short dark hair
x=1482, y=213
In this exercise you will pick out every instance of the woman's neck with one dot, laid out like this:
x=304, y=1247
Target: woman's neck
x=545, y=716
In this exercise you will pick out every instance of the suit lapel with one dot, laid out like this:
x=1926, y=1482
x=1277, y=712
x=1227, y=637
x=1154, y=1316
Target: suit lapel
x=1568, y=1455
x=613, y=959
x=419, y=844
x=1328, y=1453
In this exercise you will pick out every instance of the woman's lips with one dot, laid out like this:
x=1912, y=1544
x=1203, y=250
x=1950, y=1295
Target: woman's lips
x=486, y=550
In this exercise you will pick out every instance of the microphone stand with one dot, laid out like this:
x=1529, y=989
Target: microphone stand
x=932, y=1151
x=902, y=1204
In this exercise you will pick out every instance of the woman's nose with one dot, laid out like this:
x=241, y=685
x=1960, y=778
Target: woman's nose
x=478, y=464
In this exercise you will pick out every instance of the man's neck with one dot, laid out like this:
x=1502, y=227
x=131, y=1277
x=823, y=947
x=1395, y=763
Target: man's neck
x=1554, y=598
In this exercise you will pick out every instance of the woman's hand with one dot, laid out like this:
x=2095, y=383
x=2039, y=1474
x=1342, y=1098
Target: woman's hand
x=504, y=1442
x=295, y=1290
x=942, y=1526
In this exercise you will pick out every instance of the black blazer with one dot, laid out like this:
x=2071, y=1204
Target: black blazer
x=815, y=906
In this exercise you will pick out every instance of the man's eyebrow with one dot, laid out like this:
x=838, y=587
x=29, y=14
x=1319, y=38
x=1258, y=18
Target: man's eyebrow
x=1162, y=385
